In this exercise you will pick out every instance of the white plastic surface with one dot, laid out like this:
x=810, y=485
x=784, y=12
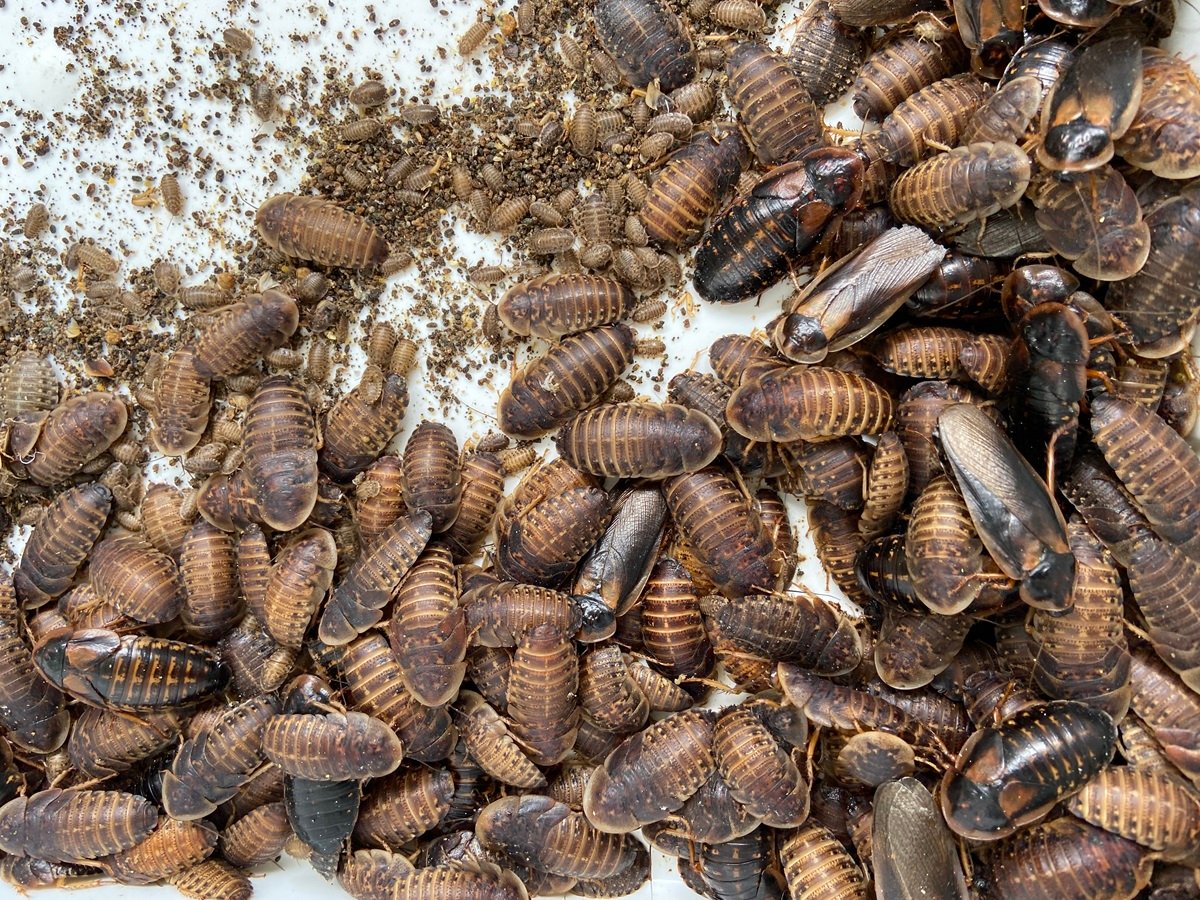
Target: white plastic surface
x=55, y=54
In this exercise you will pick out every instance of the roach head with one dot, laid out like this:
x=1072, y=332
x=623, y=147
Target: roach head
x=1079, y=142
x=50, y=655
x=836, y=176
x=801, y=339
x=598, y=620
x=1048, y=586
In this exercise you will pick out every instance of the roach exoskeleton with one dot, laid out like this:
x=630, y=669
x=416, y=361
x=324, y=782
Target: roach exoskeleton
x=1048, y=751
x=647, y=41
x=778, y=115
x=570, y=377
x=750, y=246
x=316, y=229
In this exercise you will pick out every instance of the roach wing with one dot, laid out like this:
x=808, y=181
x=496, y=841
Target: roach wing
x=914, y=854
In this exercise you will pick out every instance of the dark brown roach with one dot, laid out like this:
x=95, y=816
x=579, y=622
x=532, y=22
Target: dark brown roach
x=914, y=853
x=923, y=351
x=182, y=398
x=331, y=747
x=552, y=306
x=570, y=377
x=498, y=613
x=379, y=497
x=280, y=443
x=358, y=601
x=374, y=684
x=1006, y=115
x=607, y=692
x=1082, y=653
x=647, y=41
x=1169, y=710
x=170, y=849
x=856, y=295
x=777, y=523
x=73, y=826
x=548, y=835
x=1046, y=381
x=370, y=874
x=1068, y=857
x=672, y=627
x=612, y=575
x=778, y=115
x=935, y=116
x=763, y=776
x=916, y=422
x=992, y=30
x=1011, y=774
x=257, y=661
x=798, y=627
x=816, y=864
x=313, y=228
x=962, y=185
x=136, y=579
x=299, y=578
x=846, y=709
x=482, y=487
x=432, y=480
x=958, y=287
x=163, y=525
x=402, y=807
x=211, y=767
x=942, y=550
x=737, y=356
x=244, y=332
x=492, y=744
x=800, y=403
x=1157, y=466
x=1015, y=515
x=548, y=523
x=105, y=743
x=623, y=883
x=257, y=837
x=639, y=440
x=361, y=424
x=29, y=872
x=826, y=52
x=651, y=773
x=133, y=673
x=1116, y=243
x=741, y=867
x=73, y=434
x=1157, y=305
x=60, y=543
x=542, y=690
x=208, y=569
x=725, y=532
x=751, y=245
x=688, y=189
x=901, y=67
x=213, y=879
x=829, y=470
x=31, y=711
x=1092, y=104
x=1162, y=137
x=873, y=758
x=459, y=884
x=427, y=630
x=914, y=647
x=1150, y=808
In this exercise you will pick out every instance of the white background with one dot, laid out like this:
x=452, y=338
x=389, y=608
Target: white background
x=38, y=75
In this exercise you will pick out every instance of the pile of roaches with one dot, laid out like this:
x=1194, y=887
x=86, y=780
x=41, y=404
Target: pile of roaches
x=435, y=690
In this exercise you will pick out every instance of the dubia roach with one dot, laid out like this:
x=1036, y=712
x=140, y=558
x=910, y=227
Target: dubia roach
x=316, y=229
x=749, y=247
x=1015, y=515
x=855, y=296
x=1012, y=774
